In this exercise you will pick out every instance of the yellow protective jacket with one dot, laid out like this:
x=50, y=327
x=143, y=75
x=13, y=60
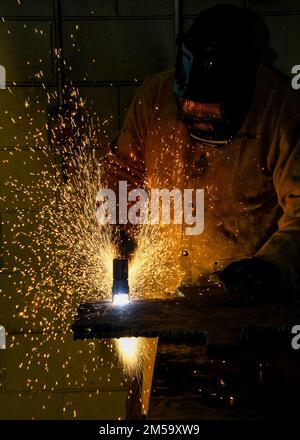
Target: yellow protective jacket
x=252, y=185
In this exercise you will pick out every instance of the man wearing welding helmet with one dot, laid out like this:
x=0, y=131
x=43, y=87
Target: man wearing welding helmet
x=226, y=123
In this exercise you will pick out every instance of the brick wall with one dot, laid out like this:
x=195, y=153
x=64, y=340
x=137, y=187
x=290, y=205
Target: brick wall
x=111, y=45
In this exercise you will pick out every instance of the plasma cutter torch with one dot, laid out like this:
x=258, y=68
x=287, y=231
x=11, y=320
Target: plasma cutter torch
x=120, y=288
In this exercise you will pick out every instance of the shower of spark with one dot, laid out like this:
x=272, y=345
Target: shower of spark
x=131, y=353
x=154, y=271
x=60, y=256
x=71, y=256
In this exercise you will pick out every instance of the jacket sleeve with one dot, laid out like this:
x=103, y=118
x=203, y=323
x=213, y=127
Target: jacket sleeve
x=283, y=247
x=125, y=159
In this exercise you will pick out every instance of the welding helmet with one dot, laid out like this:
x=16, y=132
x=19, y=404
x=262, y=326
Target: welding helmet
x=215, y=74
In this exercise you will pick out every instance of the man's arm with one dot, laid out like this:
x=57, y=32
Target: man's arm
x=283, y=247
x=275, y=270
x=125, y=159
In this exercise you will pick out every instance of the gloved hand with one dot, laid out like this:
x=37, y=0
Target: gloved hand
x=254, y=277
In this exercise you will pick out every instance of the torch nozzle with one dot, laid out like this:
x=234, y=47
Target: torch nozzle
x=120, y=288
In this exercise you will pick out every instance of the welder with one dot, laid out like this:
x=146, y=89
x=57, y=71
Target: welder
x=225, y=122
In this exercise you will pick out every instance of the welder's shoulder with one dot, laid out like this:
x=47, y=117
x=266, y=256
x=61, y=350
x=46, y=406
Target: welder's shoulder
x=284, y=96
x=160, y=83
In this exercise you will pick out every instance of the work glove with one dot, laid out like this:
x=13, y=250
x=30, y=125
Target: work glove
x=256, y=278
